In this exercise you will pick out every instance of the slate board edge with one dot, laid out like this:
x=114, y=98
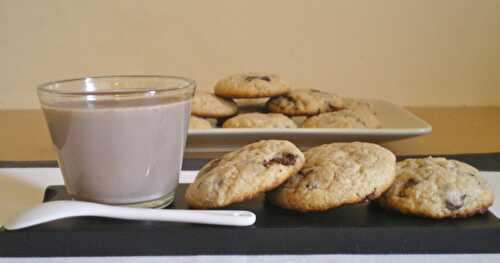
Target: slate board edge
x=249, y=242
x=482, y=161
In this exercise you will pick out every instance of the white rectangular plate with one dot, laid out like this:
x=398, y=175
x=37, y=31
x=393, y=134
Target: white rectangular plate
x=397, y=123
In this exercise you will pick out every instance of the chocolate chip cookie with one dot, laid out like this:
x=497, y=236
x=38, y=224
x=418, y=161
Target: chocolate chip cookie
x=196, y=123
x=347, y=118
x=259, y=120
x=242, y=174
x=302, y=102
x=251, y=85
x=208, y=105
x=354, y=103
x=337, y=174
x=438, y=188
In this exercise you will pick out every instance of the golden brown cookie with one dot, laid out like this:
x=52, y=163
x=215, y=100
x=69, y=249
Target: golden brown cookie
x=208, y=105
x=347, y=118
x=197, y=123
x=251, y=85
x=337, y=174
x=438, y=188
x=302, y=102
x=242, y=174
x=259, y=120
x=354, y=103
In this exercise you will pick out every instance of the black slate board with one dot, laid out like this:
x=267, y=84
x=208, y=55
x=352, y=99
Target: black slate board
x=358, y=229
x=363, y=228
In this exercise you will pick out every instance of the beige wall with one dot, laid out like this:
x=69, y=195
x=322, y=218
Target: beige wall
x=409, y=52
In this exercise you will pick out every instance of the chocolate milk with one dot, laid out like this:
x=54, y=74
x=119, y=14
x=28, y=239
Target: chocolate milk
x=123, y=154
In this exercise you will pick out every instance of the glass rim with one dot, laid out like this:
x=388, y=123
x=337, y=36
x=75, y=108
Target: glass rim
x=45, y=87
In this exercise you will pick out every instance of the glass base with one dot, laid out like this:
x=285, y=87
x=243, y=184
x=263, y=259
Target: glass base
x=161, y=202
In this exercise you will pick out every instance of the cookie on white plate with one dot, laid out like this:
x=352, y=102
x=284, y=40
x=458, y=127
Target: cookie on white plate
x=208, y=105
x=197, y=123
x=347, y=118
x=251, y=85
x=259, y=120
x=305, y=102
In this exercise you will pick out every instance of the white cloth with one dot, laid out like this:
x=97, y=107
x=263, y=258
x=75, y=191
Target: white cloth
x=22, y=188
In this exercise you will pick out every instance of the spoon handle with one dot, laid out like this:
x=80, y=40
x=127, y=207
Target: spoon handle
x=55, y=210
x=212, y=217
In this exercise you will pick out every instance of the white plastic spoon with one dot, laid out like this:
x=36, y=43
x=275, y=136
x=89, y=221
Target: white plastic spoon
x=50, y=211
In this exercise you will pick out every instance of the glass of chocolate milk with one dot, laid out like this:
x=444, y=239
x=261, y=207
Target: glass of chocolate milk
x=119, y=139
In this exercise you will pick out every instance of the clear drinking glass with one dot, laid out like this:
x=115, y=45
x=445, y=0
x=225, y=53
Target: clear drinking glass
x=120, y=139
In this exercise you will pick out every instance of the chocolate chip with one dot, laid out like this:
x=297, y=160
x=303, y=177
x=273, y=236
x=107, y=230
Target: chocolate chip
x=286, y=159
x=265, y=78
x=281, y=98
x=289, y=100
x=220, y=182
x=312, y=185
x=455, y=204
x=410, y=183
x=372, y=196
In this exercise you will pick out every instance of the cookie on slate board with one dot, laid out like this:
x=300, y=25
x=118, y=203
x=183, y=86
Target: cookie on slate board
x=302, y=102
x=208, y=105
x=347, y=118
x=438, y=188
x=196, y=123
x=259, y=120
x=251, y=85
x=337, y=174
x=244, y=173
